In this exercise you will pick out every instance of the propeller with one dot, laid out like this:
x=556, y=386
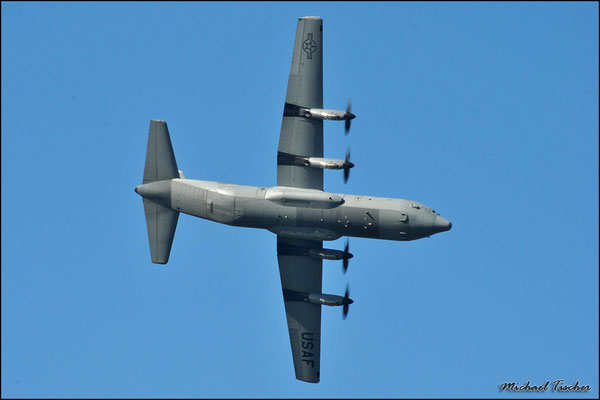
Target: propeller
x=347, y=165
x=347, y=256
x=349, y=116
x=347, y=302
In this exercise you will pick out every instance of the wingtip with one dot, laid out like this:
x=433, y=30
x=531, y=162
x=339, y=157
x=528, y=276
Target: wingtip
x=309, y=380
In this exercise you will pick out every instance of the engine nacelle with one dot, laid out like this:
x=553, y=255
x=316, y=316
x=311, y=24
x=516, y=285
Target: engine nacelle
x=319, y=113
x=325, y=299
x=326, y=254
x=316, y=298
x=323, y=163
x=312, y=162
x=292, y=110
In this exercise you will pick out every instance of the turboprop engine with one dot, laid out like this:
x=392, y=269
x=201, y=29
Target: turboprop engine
x=327, y=299
x=292, y=110
x=327, y=163
x=314, y=162
x=320, y=298
x=320, y=113
x=328, y=254
x=317, y=298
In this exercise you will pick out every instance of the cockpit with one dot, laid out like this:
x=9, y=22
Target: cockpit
x=423, y=207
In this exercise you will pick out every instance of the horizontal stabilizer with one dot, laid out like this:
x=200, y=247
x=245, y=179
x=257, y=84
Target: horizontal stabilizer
x=160, y=159
x=161, y=223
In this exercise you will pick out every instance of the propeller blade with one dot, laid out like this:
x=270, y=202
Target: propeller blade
x=347, y=165
x=346, y=256
x=348, y=117
x=347, y=302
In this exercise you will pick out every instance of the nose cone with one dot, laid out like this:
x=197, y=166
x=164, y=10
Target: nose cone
x=442, y=224
x=352, y=116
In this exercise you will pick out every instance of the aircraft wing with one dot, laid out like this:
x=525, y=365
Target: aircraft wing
x=299, y=135
x=301, y=274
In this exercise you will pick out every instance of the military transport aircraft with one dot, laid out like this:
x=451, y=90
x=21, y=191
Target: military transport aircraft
x=297, y=210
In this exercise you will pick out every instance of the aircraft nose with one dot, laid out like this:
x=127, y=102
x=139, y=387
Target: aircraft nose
x=442, y=223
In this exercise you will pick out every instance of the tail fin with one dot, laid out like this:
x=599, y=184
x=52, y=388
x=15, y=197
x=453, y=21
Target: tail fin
x=160, y=166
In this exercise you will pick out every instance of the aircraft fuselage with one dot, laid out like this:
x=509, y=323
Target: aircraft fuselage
x=298, y=213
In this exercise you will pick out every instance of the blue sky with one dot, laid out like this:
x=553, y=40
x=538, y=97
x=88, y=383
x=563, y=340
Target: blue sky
x=487, y=113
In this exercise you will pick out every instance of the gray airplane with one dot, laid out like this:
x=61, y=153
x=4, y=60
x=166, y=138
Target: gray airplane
x=297, y=210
